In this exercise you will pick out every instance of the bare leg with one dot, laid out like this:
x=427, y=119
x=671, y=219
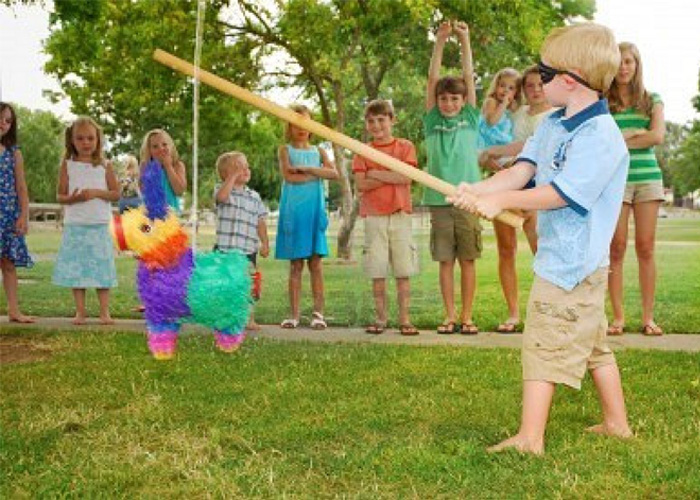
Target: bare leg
x=80, y=313
x=252, y=325
x=10, y=283
x=296, y=267
x=618, y=246
x=612, y=402
x=507, y=242
x=403, y=292
x=316, y=270
x=103, y=298
x=379, y=293
x=468, y=286
x=447, y=289
x=645, y=218
x=537, y=400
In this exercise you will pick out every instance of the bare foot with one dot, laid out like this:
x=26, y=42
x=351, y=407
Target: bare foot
x=79, y=320
x=612, y=430
x=253, y=326
x=21, y=318
x=106, y=320
x=518, y=443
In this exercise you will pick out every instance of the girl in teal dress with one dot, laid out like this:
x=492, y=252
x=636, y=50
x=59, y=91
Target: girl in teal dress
x=301, y=229
x=14, y=212
x=158, y=145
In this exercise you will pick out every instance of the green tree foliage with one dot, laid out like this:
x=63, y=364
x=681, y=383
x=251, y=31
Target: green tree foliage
x=675, y=134
x=343, y=53
x=40, y=135
x=101, y=54
x=686, y=163
x=336, y=54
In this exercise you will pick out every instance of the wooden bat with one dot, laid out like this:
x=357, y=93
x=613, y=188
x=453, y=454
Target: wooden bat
x=319, y=129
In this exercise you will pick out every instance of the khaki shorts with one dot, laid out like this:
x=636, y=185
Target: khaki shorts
x=389, y=245
x=640, y=193
x=454, y=234
x=565, y=332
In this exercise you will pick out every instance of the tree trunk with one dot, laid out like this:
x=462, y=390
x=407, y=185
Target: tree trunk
x=348, y=206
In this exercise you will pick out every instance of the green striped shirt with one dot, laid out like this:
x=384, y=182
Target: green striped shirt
x=643, y=164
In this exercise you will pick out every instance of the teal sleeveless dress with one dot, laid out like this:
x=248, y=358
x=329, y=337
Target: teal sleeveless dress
x=302, y=224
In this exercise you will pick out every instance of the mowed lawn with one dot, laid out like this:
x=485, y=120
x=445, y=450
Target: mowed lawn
x=90, y=415
x=348, y=291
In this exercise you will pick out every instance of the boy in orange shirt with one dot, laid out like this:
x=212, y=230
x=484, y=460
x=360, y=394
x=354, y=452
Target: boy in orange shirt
x=385, y=205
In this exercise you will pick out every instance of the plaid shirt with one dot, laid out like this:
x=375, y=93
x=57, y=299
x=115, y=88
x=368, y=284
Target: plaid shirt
x=237, y=221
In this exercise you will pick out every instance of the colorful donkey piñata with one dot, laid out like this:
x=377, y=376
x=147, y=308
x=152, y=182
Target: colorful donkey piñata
x=212, y=289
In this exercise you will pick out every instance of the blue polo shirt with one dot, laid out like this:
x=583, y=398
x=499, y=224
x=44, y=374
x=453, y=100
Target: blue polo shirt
x=585, y=159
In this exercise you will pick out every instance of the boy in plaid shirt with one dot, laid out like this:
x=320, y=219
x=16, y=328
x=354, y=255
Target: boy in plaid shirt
x=240, y=213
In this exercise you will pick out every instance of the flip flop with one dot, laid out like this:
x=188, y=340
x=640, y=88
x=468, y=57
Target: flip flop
x=652, y=330
x=616, y=330
x=408, y=330
x=508, y=326
x=469, y=329
x=376, y=328
x=447, y=328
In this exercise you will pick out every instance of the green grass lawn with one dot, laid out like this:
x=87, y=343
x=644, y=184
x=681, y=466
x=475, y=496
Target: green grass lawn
x=348, y=293
x=98, y=418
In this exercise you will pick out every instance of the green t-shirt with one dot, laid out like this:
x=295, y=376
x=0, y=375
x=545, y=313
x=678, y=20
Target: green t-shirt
x=643, y=164
x=451, y=148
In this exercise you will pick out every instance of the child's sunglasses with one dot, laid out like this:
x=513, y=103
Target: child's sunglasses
x=547, y=73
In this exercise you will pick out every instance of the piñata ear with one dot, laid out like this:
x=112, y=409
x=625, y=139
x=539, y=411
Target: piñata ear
x=153, y=190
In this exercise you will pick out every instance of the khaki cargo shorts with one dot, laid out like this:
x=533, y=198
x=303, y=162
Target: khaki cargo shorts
x=389, y=246
x=565, y=332
x=454, y=234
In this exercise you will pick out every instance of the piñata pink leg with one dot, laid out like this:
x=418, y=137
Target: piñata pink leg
x=162, y=344
x=228, y=342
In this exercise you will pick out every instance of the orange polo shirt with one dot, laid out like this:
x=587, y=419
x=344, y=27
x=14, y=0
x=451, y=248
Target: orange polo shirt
x=387, y=198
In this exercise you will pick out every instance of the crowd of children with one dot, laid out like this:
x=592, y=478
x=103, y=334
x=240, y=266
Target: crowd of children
x=569, y=163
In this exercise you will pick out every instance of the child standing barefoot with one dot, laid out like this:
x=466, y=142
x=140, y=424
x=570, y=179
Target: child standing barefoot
x=579, y=163
x=86, y=186
x=14, y=212
x=301, y=229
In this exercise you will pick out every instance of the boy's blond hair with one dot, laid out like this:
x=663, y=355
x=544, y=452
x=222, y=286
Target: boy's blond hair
x=587, y=48
x=223, y=161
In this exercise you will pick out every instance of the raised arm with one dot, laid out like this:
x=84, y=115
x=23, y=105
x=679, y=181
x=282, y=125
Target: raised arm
x=436, y=63
x=462, y=30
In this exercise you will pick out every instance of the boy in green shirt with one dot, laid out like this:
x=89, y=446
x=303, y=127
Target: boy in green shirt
x=451, y=128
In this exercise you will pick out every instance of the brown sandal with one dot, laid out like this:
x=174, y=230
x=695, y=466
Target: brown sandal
x=652, y=330
x=469, y=329
x=408, y=330
x=447, y=328
x=376, y=328
x=616, y=330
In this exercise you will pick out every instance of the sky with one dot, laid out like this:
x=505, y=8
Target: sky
x=666, y=33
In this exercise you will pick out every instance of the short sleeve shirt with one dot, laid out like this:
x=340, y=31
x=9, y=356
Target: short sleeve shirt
x=584, y=158
x=237, y=221
x=387, y=198
x=451, y=144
